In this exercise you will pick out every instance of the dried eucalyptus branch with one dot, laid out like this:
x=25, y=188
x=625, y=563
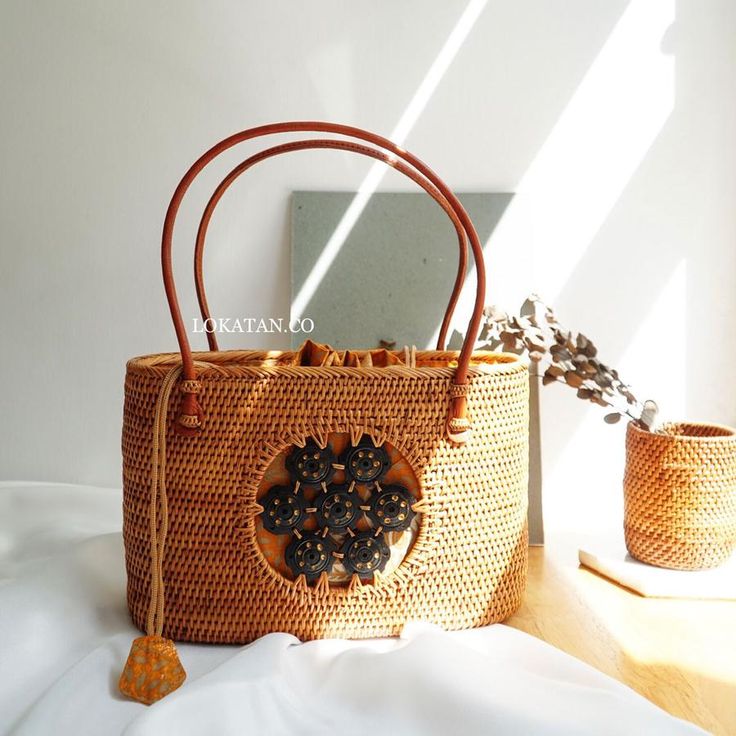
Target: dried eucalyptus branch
x=563, y=356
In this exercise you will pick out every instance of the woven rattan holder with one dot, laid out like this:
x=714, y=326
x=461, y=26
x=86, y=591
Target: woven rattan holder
x=680, y=495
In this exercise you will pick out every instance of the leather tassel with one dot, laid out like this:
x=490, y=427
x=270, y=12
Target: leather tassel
x=152, y=670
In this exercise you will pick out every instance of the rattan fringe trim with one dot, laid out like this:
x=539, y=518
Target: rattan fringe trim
x=229, y=363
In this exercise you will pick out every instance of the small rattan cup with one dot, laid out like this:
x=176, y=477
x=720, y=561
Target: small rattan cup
x=680, y=495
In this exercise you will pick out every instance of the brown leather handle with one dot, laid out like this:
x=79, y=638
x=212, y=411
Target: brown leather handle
x=191, y=413
x=241, y=168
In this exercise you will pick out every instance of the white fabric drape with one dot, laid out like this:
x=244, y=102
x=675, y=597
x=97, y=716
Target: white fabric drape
x=65, y=633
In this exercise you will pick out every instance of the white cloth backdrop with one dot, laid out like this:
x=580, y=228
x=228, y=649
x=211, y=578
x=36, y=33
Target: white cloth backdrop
x=65, y=633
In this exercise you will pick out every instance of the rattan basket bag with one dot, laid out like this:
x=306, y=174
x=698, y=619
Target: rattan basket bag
x=264, y=492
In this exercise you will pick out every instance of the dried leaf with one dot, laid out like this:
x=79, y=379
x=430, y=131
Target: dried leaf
x=495, y=314
x=624, y=391
x=612, y=418
x=573, y=379
x=590, y=350
x=509, y=340
x=603, y=379
x=534, y=347
x=560, y=354
x=565, y=356
x=528, y=309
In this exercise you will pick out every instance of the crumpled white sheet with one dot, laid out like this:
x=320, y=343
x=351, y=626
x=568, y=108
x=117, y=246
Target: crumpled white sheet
x=65, y=633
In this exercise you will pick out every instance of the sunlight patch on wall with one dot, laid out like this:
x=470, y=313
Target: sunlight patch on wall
x=590, y=155
x=398, y=135
x=655, y=360
x=583, y=472
x=600, y=140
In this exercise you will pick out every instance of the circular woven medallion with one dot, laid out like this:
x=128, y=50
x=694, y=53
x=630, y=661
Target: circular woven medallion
x=346, y=517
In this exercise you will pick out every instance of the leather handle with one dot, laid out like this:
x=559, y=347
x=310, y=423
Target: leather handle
x=241, y=168
x=191, y=413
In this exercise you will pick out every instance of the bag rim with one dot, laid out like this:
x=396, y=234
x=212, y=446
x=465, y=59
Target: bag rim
x=243, y=363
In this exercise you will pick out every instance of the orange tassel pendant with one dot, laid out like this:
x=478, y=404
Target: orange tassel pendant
x=152, y=670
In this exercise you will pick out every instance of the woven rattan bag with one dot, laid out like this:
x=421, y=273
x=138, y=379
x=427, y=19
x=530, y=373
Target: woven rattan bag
x=341, y=500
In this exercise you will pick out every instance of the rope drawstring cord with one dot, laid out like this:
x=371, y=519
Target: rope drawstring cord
x=155, y=618
x=153, y=669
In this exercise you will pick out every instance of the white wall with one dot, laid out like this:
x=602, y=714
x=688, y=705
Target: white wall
x=615, y=120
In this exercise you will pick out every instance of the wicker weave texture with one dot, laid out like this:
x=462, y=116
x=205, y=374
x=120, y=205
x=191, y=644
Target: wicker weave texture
x=468, y=564
x=680, y=495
